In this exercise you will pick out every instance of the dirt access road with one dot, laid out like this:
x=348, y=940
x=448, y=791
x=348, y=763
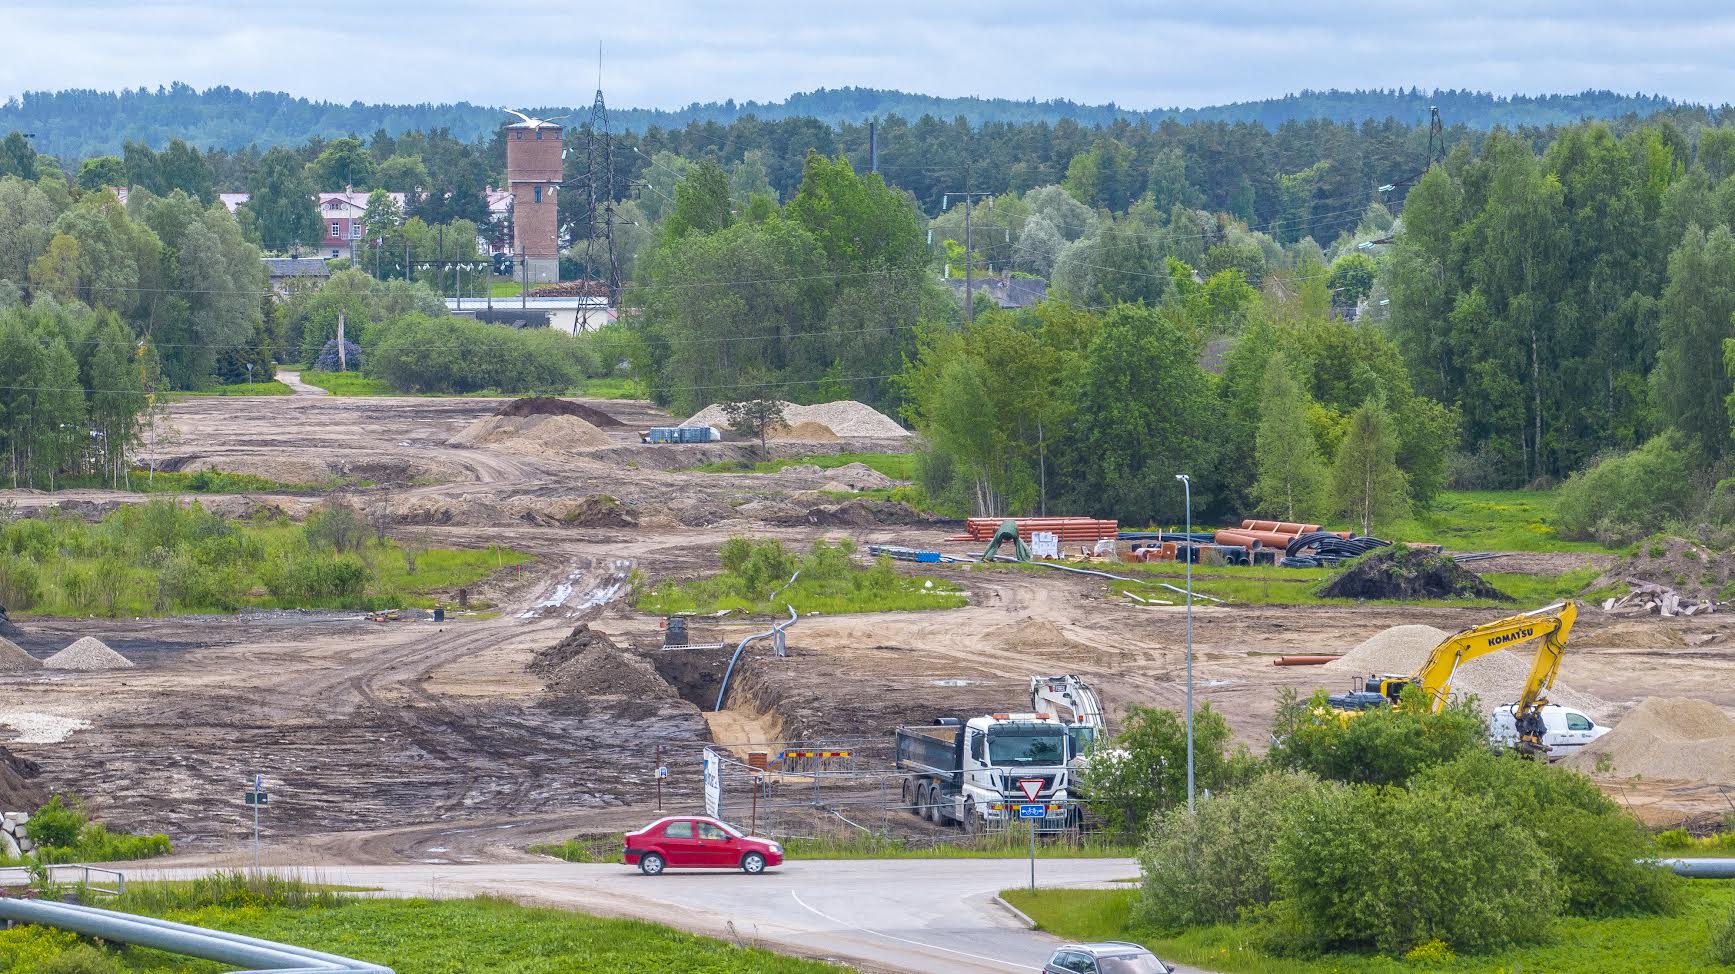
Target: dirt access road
x=420, y=742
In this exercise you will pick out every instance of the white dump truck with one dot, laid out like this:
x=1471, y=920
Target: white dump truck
x=974, y=772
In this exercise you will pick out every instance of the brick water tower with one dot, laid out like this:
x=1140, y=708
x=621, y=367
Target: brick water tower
x=533, y=172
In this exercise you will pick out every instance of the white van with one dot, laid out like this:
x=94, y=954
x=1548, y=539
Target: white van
x=1566, y=730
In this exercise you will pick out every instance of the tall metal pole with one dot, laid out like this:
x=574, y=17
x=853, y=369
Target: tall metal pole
x=969, y=252
x=1192, y=552
x=873, y=146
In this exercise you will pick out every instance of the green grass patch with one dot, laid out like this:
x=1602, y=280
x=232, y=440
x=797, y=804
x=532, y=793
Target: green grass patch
x=615, y=387
x=504, y=289
x=755, y=580
x=1490, y=520
x=1677, y=944
x=478, y=936
x=198, y=482
x=162, y=558
x=347, y=383
x=1269, y=585
x=898, y=466
x=233, y=889
x=591, y=848
x=263, y=387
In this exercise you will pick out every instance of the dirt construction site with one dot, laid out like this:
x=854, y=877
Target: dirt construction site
x=471, y=738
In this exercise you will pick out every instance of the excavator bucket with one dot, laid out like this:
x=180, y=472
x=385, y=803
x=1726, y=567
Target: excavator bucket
x=1008, y=531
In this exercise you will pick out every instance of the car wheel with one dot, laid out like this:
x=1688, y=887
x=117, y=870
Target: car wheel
x=752, y=863
x=651, y=864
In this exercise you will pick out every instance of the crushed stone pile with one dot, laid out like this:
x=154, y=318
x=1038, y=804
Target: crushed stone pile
x=88, y=655
x=13, y=658
x=1495, y=679
x=550, y=406
x=1667, y=737
x=806, y=431
x=845, y=418
x=589, y=664
x=1400, y=572
x=543, y=435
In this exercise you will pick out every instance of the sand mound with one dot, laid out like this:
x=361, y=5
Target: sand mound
x=13, y=659
x=1031, y=636
x=1400, y=649
x=550, y=406
x=544, y=435
x=843, y=418
x=804, y=432
x=588, y=664
x=1400, y=572
x=87, y=654
x=1668, y=737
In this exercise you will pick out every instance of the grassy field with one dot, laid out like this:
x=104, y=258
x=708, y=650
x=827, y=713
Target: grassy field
x=263, y=387
x=201, y=482
x=898, y=466
x=1271, y=585
x=161, y=558
x=347, y=383
x=755, y=578
x=476, y=936
x=1677, y=944
x=1490, y=520
x=615, y=387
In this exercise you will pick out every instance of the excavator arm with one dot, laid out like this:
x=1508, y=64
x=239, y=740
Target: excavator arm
x=1551, y=624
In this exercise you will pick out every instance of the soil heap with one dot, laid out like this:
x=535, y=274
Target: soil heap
x=588, y=664
x=1667, y=737
x=550, y=406
x=13, y=659
x=1400, y=572
x=88, y=655
x=19, y=791
x=845, y=418
x=539, y=434
x=1494, y=680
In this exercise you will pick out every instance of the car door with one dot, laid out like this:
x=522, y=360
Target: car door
x=1063, y=962
x=717, y=846
x=1580, y=730
x=680, y=845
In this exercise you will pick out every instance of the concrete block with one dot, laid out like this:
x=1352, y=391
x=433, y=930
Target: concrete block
x=25, y=843
x=15, y=818
x=9, y=847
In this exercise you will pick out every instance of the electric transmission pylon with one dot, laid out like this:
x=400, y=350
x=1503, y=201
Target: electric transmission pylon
x=599, y=194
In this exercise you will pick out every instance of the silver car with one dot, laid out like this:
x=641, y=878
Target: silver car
x=1108, y=957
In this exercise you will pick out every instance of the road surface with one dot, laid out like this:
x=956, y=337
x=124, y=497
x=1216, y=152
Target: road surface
x=879, y=915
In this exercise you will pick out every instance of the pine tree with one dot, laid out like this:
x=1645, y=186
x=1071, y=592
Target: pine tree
x=1369, y=487
x=1291, y=474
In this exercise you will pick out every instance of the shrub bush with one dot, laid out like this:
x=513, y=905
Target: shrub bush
x=454, y=355
x=1597, y=848
x=1383, y=746
x=1624, y=497
x=1144, y=770
x=1393, y=869
x=1215, y=866
x=56, y=823
x=1723, y=940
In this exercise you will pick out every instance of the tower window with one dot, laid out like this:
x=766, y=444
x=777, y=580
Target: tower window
x=539, y=135
x=538, y=192
x=518, y=135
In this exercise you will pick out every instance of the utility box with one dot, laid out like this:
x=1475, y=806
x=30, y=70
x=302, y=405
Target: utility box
x=682, y=434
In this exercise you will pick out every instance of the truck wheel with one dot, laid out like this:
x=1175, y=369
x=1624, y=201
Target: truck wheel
x=972, y=824
x=908, y=795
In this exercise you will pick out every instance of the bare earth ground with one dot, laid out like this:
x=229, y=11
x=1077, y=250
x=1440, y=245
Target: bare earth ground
x=416, y=741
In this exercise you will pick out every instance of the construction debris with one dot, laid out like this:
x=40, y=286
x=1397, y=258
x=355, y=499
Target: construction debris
x=1648, y=598
x=1402, y=572
x=87, y=654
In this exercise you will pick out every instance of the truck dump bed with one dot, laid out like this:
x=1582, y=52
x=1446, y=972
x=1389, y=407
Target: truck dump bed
x=935, y=750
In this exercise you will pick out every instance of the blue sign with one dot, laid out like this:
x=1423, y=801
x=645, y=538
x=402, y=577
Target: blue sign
x=1037, y=810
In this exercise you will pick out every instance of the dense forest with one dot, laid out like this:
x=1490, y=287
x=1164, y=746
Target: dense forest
x=77, y=123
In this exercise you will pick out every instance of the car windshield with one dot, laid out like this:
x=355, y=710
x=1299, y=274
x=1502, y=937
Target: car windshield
x=1132, y=964
x=1026, y=747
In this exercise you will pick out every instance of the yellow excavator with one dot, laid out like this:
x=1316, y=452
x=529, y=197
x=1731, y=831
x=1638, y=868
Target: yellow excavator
x=1551, y=624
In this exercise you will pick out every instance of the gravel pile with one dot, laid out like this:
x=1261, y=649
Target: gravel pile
x=1400, y=649
x=540, y=434
x=36, y=728
x=1668, y=737
x=13, y=659
x=846, y=418
x=804, y=432
x=87, y=654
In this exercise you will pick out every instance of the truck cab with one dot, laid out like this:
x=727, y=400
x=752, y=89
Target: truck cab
x=969, y=772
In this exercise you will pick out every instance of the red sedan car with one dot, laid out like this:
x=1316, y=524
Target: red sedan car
x=697, y=842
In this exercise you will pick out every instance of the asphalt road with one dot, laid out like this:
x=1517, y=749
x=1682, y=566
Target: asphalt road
x=884, y=915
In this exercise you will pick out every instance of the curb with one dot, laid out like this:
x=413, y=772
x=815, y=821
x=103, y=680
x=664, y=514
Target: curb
x=1015, y=911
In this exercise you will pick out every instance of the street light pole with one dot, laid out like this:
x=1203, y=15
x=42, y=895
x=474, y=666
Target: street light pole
x=1192, y=552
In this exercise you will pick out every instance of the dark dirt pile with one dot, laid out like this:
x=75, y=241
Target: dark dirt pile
x=19, y=791
x=1692, y=570
x=589, y=664
x=550, y=406
x=599, y=511
x=1400, y=572
x=858, y=514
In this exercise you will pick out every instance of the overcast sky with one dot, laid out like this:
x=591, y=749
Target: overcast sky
x=667, y=53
